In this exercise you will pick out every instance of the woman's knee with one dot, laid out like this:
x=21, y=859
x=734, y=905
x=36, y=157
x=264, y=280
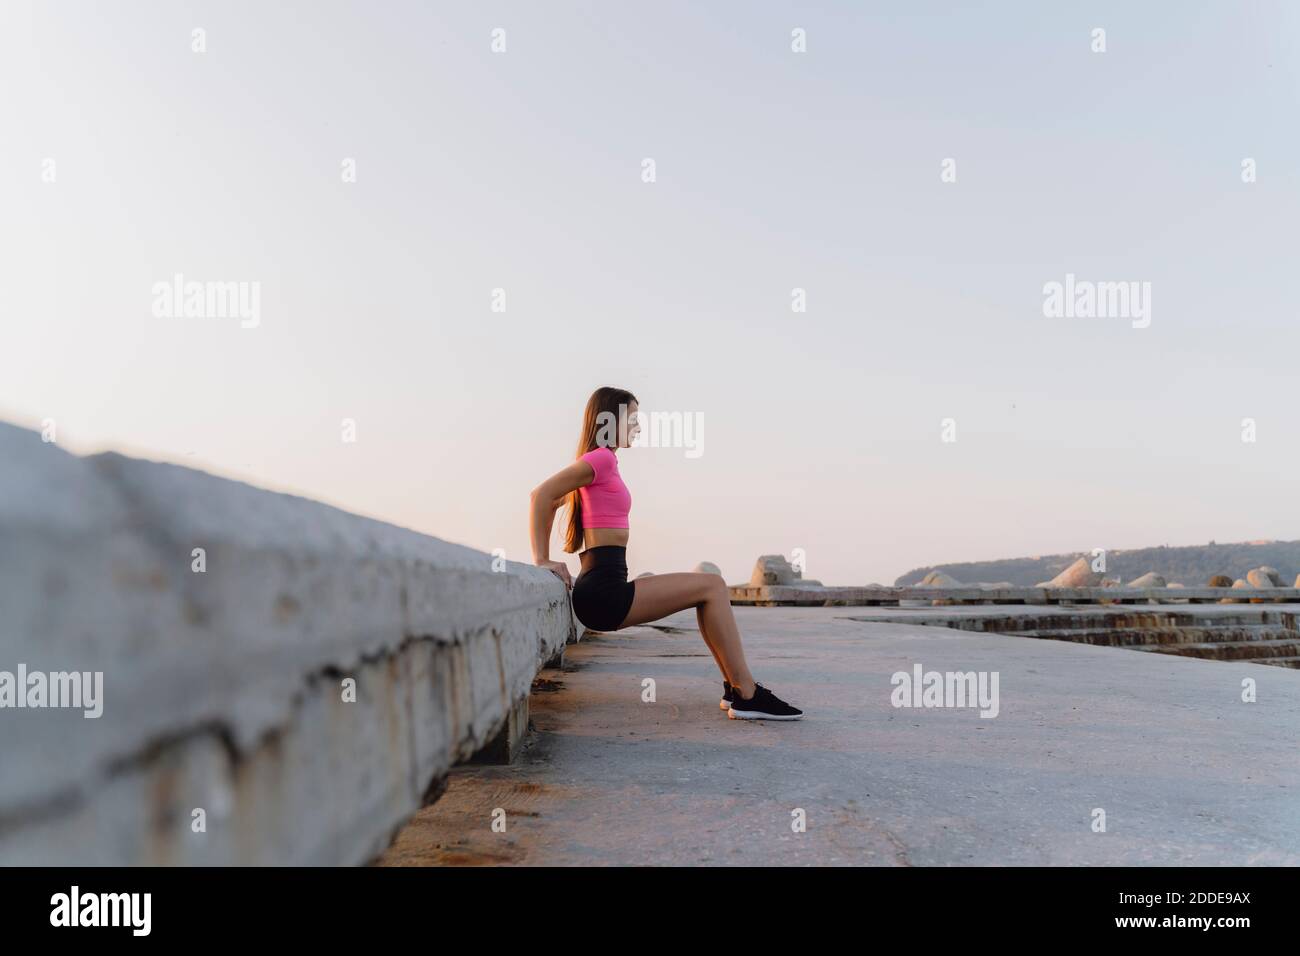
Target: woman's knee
x=712, y=587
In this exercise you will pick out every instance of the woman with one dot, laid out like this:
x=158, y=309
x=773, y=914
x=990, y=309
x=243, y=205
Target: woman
x=604, y=599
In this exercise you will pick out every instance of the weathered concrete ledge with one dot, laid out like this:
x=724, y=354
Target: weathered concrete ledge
x=1256, y=633
x=818, y=596
x=224, y=688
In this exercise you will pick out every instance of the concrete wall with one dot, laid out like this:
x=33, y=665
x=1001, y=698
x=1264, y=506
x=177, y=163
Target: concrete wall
x=223, y=689
x=819, y=596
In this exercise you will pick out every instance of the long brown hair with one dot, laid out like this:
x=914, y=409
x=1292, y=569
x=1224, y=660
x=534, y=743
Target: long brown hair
x=604, y=401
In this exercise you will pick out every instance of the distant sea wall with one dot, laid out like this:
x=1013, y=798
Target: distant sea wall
x=281, y=682
x=1192, y=566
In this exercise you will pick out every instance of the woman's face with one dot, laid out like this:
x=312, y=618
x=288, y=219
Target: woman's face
x=630, y=427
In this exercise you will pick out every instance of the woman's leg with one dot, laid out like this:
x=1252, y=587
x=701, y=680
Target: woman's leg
x=662, y=594
x=708, y=642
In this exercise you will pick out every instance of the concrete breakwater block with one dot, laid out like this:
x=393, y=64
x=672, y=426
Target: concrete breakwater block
x=1148, y=580
x=772, y=569
x=1078, y=575
x=293, y=677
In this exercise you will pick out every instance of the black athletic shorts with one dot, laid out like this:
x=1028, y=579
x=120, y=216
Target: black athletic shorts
x=602, y=595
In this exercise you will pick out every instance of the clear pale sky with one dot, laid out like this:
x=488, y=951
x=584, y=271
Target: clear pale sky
x=775, y=170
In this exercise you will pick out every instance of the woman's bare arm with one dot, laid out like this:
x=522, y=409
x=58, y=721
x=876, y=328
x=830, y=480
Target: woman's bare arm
x=544, y=502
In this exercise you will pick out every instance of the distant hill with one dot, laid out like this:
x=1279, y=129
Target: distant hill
x=1192, y=566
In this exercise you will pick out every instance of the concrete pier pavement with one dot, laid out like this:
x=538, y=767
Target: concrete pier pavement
x=1186, y=772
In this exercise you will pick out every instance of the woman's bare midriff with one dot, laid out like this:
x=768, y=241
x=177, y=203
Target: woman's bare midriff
x=604, y=537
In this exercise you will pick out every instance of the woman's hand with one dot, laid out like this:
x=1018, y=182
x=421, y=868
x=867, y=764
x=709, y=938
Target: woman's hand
x=559, y=569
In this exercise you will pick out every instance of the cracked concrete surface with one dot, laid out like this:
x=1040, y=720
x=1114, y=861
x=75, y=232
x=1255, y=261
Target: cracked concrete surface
x=1186, y=772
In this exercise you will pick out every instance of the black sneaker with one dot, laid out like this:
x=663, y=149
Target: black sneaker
x=764, y=705
x=728, y=695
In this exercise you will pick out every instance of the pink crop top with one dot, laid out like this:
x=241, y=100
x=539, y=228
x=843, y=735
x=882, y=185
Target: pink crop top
x=606, y=501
